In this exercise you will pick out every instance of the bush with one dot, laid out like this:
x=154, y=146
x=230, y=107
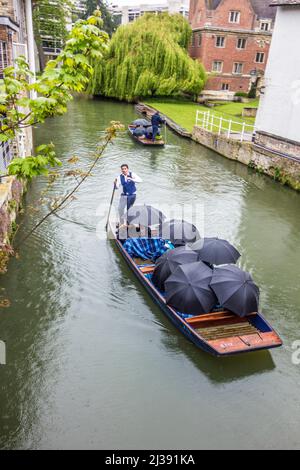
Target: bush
x=252, y=93
x=242, y=94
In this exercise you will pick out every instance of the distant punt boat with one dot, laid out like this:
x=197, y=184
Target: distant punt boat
x=142, y=139
x=221, y=332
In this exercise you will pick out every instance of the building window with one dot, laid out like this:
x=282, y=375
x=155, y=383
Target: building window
x=133, y=16
x=199, y=39
x=225, y=86
x=237, y=68
x=220, y=41
x=241, y=43
x=260, y=57
x=265, y=25
x=3, y=57
x=217, y=66
x=193, y=40
x=234, y=16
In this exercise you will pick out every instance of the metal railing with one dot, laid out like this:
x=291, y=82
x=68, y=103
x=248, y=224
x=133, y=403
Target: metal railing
x=219, y=125
x=19, y=49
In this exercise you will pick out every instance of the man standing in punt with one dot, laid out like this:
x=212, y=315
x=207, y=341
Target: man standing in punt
x=156, y=120
x=127, y=180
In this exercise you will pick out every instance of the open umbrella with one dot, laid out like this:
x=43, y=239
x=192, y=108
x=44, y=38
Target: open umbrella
x=169, y=261
x=179, y=232
x=141, y=122
x=216, y=251
x=145, y=215
x=139, y=131
x=188, y=289
x=235, y=290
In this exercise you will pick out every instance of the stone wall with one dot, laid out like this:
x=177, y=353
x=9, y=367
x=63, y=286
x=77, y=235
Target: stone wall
x=281, y=169
x=11, y=192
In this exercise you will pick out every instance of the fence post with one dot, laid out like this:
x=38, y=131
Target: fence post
x=212, y=124
x=220, y=126
x=243, y=131
x=208, y=118
x=229, y=129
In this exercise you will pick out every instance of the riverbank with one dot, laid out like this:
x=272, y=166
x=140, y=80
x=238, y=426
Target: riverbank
x=282, y=169
x=184, y=113
x=11, y=193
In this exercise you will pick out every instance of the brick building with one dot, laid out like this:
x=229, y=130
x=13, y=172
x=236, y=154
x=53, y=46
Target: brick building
x=232, y=39
x=16, y=38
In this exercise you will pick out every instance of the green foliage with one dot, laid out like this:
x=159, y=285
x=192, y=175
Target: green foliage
x=109, y=22
x=149, y=58
x=49, y=19
x=252, y=92
x=242, y=94
x=34, y=166
x=70, y=72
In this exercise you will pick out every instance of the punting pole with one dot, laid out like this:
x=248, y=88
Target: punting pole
x=111, y=202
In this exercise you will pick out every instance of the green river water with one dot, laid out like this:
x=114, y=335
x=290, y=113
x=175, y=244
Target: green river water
x=92, y=362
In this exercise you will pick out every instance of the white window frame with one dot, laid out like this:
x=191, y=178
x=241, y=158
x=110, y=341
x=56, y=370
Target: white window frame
x=244, y=41
x=237, y=16
x=3, y=56
x=263, y=58
x=217, y=62
x=265, y=23
x=223, y=40
x=234, y=67
x=225, y=87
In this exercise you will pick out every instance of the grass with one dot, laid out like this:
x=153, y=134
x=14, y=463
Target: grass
x=184, y=113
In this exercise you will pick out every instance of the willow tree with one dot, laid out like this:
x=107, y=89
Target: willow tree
x=149, y=58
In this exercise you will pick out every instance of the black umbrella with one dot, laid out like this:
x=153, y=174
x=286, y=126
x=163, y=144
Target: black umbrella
x=179, y=232
x=235, y=290
x=145, y=215
x=141, y=122
x=169, y=261
x=216, y=251
x=188, y=289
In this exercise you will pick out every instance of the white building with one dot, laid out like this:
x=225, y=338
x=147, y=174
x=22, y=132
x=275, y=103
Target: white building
x=129, y=13
x=278, y=118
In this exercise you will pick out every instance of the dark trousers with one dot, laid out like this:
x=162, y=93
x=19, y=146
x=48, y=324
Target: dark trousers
x=125, y=203
x=155, y=132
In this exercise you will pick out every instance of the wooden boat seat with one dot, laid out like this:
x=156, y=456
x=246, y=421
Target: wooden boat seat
x=216, y=316
x=147, y=269
x=222, y=324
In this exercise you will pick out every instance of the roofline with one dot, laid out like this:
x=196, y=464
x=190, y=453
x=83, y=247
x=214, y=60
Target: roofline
x=7, y=21
x=284, y=4
x=233, y=31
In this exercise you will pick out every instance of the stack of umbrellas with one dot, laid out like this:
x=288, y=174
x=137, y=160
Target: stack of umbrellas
x=141, y=122
x=191, y=275
x=193, y=286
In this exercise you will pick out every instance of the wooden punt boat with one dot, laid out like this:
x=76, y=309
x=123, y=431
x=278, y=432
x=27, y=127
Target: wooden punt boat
x=221, y=332
x=142, y=140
